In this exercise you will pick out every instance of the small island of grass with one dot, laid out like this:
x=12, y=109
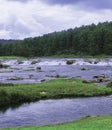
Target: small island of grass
x=55, y=89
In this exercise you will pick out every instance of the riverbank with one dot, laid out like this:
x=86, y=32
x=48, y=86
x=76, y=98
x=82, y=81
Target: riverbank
x=58, y=56
x=55, y=89
x=87, y=123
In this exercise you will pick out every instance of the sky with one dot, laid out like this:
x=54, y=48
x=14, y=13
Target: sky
x=20, y=19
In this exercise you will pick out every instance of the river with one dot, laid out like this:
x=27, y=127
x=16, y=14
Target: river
x=54, y=111
x=27, y=71
x=47, y=112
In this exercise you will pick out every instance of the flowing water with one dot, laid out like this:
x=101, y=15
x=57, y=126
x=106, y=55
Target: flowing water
x=55, y=111
x=26, y=72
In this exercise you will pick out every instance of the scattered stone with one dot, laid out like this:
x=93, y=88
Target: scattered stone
x=69, y=62
x=15, y=78
x=85, y=81
x=43, y=80
x=4, y=66
x=38, y=68
x=20, y=62
x=30, y=76
x=34, y=62
x=88, y=60
x=100, y=78
x=83, y=69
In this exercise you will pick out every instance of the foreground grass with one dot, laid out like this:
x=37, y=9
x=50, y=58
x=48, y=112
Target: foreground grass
x=87, y=123
x=61, y=88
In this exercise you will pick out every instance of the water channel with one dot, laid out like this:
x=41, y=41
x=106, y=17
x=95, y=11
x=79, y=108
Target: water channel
x=47, y=112
x=54, y=111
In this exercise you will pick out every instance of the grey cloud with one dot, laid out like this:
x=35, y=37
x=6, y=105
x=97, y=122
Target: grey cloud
x=98, y=4
x=20, y=0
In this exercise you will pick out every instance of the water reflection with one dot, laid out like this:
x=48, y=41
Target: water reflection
x=12, y=107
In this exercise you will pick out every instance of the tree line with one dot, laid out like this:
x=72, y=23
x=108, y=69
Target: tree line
x=85, y=40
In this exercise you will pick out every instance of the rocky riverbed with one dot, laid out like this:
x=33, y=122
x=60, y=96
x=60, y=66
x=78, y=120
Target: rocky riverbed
x=42, y=69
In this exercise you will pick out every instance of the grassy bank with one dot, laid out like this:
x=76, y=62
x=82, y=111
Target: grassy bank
x=59, y=56
x=61, y=88
x=11, y=57
x=87, y=123
x=79, y=56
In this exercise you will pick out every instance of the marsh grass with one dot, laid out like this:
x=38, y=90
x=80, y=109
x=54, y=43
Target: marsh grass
x=61, y=88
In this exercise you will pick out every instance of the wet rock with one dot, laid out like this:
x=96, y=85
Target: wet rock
x=100, y=78
x=38, y=68
x=20, y=62
x=4, y=66
x=34, y=62
x=83, y=69
x=43, y=80
x=85, y=81
x=88, y=60
x=30, y=76
x=69, y=62
x=15, y=78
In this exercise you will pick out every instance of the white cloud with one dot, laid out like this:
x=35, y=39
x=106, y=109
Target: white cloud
x=27, y=19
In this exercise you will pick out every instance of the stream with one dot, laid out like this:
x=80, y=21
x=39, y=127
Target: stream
x=39, y=69
x=47, y=112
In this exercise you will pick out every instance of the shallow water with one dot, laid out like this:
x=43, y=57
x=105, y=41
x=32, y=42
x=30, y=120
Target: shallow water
x=50, y=67
x=55, y=111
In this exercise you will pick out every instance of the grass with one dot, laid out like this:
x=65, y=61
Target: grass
x=79, y=56
x=87, y=123
x=61, y=88
x=56, y=56
x=10, y=57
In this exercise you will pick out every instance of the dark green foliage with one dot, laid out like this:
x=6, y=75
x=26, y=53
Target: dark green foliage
x=86, y=40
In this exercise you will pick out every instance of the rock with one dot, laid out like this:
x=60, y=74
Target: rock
x=83, y=69
x=43, y=80
x=69, y=62
x=101, y=78
x=4, y=66
x=85, y=81
x=38, y=68
x=34, y=62
x=20, y=62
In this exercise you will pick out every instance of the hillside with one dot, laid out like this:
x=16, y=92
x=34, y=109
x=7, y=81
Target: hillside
x=85, y=40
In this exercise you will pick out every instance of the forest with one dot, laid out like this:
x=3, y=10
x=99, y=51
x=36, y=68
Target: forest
x=85, y=40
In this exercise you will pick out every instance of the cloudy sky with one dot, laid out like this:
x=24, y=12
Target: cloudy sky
x=28, y=18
